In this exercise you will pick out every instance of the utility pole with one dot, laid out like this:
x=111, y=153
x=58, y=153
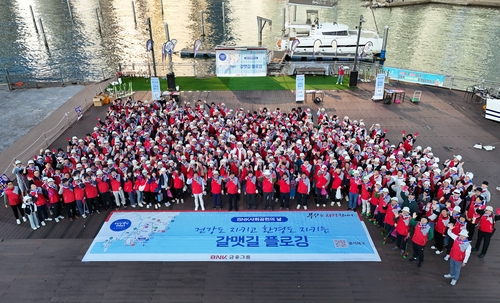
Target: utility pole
x=152, y=45
x=353, y=78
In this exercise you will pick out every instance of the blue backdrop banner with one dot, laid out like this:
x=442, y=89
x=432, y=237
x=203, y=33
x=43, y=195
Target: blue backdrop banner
x=232, y=236
x=413, y=76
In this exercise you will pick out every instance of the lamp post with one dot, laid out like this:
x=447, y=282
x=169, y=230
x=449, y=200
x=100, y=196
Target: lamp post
x=152, y=45
x=353, y=78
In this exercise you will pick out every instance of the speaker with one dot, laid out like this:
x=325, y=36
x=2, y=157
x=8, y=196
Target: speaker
x=353, y=78
x=171, y=81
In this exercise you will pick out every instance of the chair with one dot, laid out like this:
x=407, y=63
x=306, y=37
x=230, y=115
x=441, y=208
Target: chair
x=416, y=96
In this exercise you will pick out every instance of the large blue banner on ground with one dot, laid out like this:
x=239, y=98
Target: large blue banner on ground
x=232, y=236
x=413, y=76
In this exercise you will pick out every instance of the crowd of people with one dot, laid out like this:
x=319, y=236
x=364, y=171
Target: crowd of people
x=155, y=154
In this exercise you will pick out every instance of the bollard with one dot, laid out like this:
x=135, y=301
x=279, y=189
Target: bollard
x=33, y=18
x=161, y=4
x=69, y=9
x=133, y=11
x=167, y=33
x=202, y=23
x=43, y=33
x=98, y=21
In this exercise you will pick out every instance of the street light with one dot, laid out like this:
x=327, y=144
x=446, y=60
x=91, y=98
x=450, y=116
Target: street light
x=353, y=80
x=148, y=22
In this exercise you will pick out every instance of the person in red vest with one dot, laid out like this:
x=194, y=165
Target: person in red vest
x=476, y=205
x=267, y=190
x=303, y=189
x=284, y=185
x=54, y=198
x=12, y=197
x=233, y=190
x=79, y=190
x=391, y=211
x=336, y=187
x=128, y=187
x=68, y=195
x=37, y=194
x=197, y=189
x=459, y=255
x=250, y=190
x=91, y=193
x=402, y=230
x=103, y=188
x=440, y=231
x=486, y=230
x=341, y=74
x=178, y=178
x=423, y=232
x=216, y=189
x=322, y=180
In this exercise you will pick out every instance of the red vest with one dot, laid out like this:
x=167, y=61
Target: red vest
x=302, y=187
x=267, y=186
x=419, y=237
x=115, y=183
x=403, y=225
x=178, y=183
x=53, y=195
x=457, y=253
x=103, y=186
x=232, y=187
x=68, y=195
x=389, y=216
x=216, y=186
x=250, y=187
x=14, y=199
x=196, y=186
x=487, y=224
x=40, y=198
x=442, y=224
x=79, y=193
x=128, y=186
x=90, y=190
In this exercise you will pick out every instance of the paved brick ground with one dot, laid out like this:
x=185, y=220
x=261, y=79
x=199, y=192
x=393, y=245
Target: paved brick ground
x=49, y=260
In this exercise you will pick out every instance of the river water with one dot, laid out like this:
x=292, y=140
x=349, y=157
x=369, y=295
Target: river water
x=451, y=40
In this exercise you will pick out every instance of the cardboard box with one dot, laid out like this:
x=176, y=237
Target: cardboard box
x=98, y=100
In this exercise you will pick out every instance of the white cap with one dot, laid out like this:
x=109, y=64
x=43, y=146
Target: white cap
x=26, y=198
x=457, y=208
x=50, y=180
x=396, y=199
x=267, y=172
x=385, y=190
x=456, y=191
x=490, y=208
x=18, y=162
x=31, y=162
x=459, y=158
x=464, y=233
x=99, y=172
x=406, y=209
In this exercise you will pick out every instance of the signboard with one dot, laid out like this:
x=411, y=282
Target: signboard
x=300, y=84
x=492, y=109
x=300, y=236
x=79, y=113
x=155, y=88
x=244, y=62
x=379, y=87
x=3, y=182
x=413, y=76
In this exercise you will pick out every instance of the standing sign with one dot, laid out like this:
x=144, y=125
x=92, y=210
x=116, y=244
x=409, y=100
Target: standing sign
x=79, y=113
x=3, y=182
x=300, y=84
x=155, y=88
x=379, y=87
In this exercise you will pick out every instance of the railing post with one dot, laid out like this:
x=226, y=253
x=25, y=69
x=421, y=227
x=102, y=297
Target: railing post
x=67, y=119
x=45, y=137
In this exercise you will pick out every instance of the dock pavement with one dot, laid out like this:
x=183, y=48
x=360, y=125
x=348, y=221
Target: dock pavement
x=45, y=265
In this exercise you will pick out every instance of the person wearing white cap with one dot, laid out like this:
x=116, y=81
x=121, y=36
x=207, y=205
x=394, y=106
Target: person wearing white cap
x=459, y=255
x=20, y=171
x=440, y=231
x=402, y=231
x=422, y=233
x=486, y=230
x=391, y=212
x=30, y=211
x=251, y=190
x=267, y=190
x=216, y=186
x=459, y=223
x=13, y=197
x=197, y=189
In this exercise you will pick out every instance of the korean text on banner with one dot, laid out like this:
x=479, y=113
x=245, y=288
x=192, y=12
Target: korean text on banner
x=155, y=88
x=413, y=76
x=241, y=63
x=379, y=87
x=300, y=84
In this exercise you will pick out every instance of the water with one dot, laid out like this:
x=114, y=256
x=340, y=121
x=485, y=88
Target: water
x=449, y=40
